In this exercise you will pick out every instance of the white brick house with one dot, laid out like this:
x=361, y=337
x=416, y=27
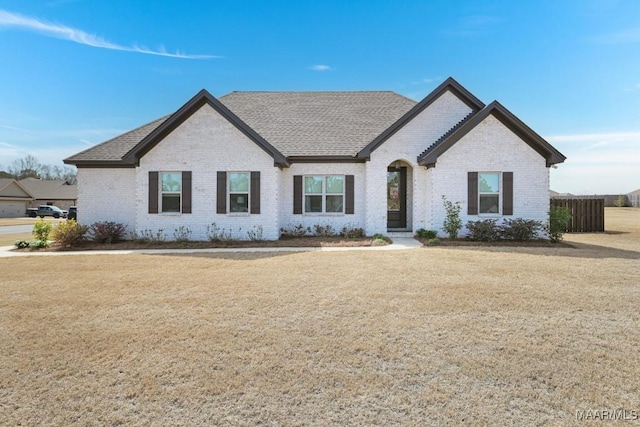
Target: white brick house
x=371, y=160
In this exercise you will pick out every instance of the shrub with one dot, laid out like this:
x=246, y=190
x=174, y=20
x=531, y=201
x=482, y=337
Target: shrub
x=295, y=231
x=379, y=241
x=21, y=244
x=485, y=230
x=324, y=230
x=148, y=236
x=106, y=231
x=559, y=218
x=452, y=223
x=217, y=234
x=38, y=244
x=255, y=234
x=182, y=234
x=427, y=234
x=69, y=233
x=41, y=230
x=351, y=232
x=378, y=236
x=520, y=229
x=621, y=201
x=434, y=241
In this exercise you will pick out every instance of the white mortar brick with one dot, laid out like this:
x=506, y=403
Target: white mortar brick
x=107, y=195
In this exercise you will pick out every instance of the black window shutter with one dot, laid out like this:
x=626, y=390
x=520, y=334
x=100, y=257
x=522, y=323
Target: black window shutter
x=507, y=193
x=348, y=195
x=255, y=192
x=221, y=193
x=472, y=199
x=297, y=194
x=186, y=192
x=153, y=192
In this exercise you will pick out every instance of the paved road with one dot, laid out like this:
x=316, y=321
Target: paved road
x=16, y=229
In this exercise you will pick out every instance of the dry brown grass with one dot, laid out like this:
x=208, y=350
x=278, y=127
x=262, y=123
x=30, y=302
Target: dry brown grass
x=507, y=336
x=10, y=239
x=27, y=221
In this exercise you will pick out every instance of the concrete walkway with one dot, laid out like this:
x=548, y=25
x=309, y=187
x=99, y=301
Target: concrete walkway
x=399, y=243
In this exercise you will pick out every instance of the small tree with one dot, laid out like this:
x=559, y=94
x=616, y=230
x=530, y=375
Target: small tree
x=452, y=223
x=620, y=201
x=559, y=218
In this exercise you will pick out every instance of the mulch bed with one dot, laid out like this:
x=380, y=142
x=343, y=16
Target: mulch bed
x=285, y=242
x=538, y=243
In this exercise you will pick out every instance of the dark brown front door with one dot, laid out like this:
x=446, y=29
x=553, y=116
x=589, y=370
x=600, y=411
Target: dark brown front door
x=396, y=197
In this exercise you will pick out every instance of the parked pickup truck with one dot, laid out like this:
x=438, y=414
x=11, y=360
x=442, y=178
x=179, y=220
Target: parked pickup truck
x=46, y=210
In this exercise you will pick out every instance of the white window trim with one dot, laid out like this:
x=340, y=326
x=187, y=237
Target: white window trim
x=229, y=212
x=324, y=195
x=160, y=210
x=491, y=214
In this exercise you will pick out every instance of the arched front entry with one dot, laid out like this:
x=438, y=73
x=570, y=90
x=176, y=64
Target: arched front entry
x=398, y=196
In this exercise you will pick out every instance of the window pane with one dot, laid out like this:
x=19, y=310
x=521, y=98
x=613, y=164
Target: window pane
x=334, y=203
x=313, y=184
x=171, y=181
x=313, y=203
x=488, y=203
x=238, y=182
x=170, y=203
x=335, y=184
x=238, y=203
x=489, y=182
x=393, y=191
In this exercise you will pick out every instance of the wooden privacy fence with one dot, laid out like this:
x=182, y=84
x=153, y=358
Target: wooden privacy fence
x=587, y=214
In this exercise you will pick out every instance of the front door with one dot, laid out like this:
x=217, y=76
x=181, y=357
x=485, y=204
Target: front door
x=396, y=197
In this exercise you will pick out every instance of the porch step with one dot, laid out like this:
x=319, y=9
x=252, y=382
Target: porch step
x=393, y=234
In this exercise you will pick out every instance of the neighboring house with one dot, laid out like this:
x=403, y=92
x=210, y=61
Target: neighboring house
x=371, y=160
x=14, y=198
x=634, y=198
x=50, y=192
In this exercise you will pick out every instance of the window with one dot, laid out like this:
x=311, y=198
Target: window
x=324, y=194
x=239, y=192
x=170, y=191
x=489, y=192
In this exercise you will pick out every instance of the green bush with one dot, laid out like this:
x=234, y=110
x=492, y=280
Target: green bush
x=38, y=244
x=559, y=218
x=434, y=241
x=69, y=233
x=378, y=236
x=427, y=234
x=21, y=244
x=41, y=230
x=452, y=223
x=520, y=229
x=486, y=230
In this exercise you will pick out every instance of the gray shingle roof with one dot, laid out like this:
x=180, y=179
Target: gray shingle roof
x=49, y=189
x=318, y=123
x=116, y=148
x=295, y=123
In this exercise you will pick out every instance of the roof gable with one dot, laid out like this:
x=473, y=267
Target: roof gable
x=450, y=85
x=176, y=119
x=11, y=188
x=429, y=157
x=49, y=188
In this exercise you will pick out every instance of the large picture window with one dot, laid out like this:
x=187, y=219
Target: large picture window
x=324, y=194
x=239, y=190
x=170, y=191
x=489, y=192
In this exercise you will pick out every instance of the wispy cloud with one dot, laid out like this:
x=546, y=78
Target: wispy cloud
x=629, y=35
x=9, y=19
x=320, y=67
x=473, y=25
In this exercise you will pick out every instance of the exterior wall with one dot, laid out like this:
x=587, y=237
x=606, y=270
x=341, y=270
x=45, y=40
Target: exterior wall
x=490, y=147
x=406, y=144
x=106, y=195
x=338, y=221
x=204, y=144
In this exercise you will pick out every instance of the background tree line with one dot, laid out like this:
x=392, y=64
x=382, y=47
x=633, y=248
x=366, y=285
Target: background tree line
x=30, y=167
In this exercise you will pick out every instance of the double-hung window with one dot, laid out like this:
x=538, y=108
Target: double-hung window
x=489, y=192
x=170, y=191
x=239, y=190
x=324, y=194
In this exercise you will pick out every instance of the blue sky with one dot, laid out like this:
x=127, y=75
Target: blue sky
x=77, y=72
